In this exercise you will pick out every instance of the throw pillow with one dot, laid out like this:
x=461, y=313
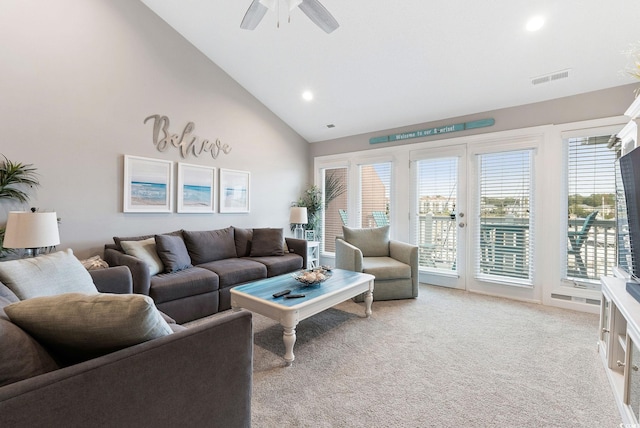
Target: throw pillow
x=21, y=356
x=210, y=245
x=373, y=242
x=172, y=252
x=81, y=326
x=118, y=239
x=267, y=242
x=145, y=250
x=46, y=275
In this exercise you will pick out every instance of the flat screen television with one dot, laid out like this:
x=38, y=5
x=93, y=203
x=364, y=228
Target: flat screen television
x=628, y=212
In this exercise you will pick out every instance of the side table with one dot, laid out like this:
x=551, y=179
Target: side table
x=313, y=254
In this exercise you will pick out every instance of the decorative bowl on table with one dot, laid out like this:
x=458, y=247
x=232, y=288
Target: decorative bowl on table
x=313, y=276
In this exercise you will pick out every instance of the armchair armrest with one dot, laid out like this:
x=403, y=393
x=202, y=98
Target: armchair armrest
x=348, y=256
x=139, y=269
x=298, y=246
x=115, y=279
x=170, y=381
x=403, y=252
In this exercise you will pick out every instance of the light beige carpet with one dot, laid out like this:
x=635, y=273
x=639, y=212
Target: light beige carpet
x=446, y=359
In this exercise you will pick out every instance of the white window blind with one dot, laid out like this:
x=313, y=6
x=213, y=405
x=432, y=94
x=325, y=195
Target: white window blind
x=334, y=194
x=436, y=227
x=375, y=185
x=591, y=240
x=504, y=244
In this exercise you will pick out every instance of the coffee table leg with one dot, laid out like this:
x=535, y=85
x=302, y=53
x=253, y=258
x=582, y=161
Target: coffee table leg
x=289, y=338
x=368, y=299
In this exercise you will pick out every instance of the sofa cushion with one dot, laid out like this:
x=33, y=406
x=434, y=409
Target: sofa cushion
x=373, y=242
x=279, y=265
x=242, y=238
x=267, y=242
x=46, y=275
x=145, y=250
x=210, y=245
x=236, y=271
x=177, y=285
x=172, y=252
x=386, y=268
x=81, y=326
x=21, y=356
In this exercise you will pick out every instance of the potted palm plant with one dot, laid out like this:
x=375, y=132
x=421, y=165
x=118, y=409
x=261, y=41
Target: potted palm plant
x=15, y=180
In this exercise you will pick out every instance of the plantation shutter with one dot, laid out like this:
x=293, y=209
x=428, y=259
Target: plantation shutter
x=590, y=189
x=335, y=201
x=375, y=184
x=504, y=233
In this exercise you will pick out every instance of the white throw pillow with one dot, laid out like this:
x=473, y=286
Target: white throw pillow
x=47, y=275
x=146, y=251
x=89, y=325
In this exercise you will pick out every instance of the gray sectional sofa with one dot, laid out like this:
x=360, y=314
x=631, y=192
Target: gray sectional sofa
x=195, y=377
x=189, y=274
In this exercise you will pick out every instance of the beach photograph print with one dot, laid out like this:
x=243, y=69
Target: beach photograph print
x=234, y=191
x=196, y=188
x=148, y=185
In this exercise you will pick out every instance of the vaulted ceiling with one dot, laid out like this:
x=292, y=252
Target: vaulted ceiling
x=398, y=63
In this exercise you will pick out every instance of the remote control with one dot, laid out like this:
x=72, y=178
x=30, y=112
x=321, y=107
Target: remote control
x=294, y=296
x=281, y=293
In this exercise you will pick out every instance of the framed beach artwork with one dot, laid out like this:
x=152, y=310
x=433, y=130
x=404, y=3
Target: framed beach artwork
x=148, y=185
x=196, y=188
x=234, y=191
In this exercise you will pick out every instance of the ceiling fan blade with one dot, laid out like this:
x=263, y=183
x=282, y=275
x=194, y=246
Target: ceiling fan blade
x=254, y=15
x=319, y=15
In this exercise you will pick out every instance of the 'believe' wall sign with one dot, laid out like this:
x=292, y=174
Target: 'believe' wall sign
x=433, y=131
x=187, y=142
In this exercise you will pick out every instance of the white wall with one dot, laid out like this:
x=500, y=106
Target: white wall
x=77, y=79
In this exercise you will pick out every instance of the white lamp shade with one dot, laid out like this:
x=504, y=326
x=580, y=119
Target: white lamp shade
x=31, y=230
x=298, y=215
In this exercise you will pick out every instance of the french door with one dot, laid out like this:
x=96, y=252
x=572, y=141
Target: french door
x=473, y=217
x=439, y=214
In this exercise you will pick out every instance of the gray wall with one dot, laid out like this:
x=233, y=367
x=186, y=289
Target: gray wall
x=77, y=79
x=593, y=105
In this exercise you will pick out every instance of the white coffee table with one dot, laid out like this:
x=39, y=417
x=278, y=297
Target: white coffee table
x=258, y=297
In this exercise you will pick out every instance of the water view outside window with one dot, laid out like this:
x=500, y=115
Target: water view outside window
x=591, y=238
x=506, y=216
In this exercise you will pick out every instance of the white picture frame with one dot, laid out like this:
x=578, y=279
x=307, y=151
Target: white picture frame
x=235, y=191
x=196, y=192
x=148, y=185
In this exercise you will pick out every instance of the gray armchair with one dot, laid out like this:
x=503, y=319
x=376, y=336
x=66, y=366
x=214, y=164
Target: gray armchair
x=393, y=263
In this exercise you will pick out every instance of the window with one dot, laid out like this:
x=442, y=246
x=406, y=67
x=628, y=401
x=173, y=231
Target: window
x=334, y=194
x=437, y=231
x=591, y=235
x=375, y=184
x=505, y=250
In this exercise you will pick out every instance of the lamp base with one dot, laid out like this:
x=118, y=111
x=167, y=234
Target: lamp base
x=298, y=232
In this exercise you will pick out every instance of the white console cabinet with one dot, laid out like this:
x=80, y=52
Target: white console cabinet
x=619, y=345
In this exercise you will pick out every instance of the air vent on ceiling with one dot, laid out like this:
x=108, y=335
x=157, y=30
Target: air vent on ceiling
x=551, y=77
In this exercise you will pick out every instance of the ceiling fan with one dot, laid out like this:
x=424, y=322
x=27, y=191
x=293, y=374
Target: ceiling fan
x=312, y=8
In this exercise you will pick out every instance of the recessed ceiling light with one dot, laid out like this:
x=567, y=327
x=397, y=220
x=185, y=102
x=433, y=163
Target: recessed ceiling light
x=535, y=23
x=307, y=95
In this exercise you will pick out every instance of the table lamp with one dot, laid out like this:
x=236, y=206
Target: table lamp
x=31, y=230
x=298, y=216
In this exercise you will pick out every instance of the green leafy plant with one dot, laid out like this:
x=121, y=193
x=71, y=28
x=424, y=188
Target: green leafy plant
x=15, y=181
x=14, y=176
x=312, y=199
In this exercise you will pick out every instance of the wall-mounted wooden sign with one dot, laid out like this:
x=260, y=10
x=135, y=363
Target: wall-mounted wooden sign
x=187, y=142
x=433, y=131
